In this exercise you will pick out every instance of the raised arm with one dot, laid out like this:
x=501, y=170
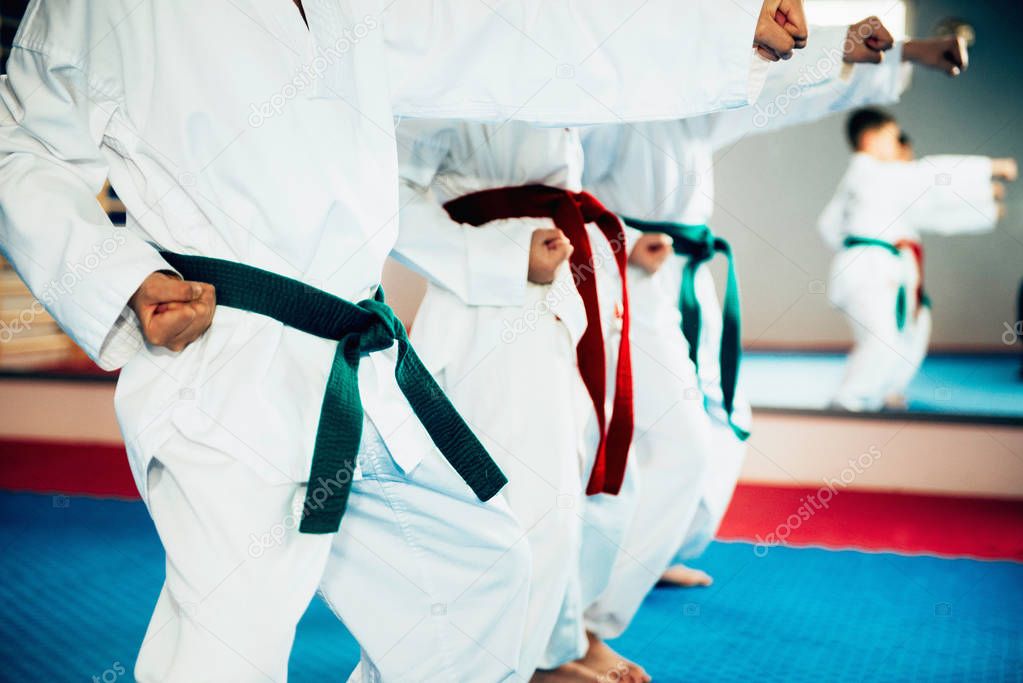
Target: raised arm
x=844, y=69
x=81, y=268
x=562, y=62
x=944, y=194
x=820, y=81
x=962, y=198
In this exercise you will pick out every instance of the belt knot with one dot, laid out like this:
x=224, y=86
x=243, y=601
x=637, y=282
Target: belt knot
x=382, y=327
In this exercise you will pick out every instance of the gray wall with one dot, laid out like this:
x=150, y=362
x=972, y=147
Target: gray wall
x=973, y=280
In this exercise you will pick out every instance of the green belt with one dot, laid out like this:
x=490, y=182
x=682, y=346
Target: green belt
x=699, y=244
x=901, y=299
x=358, y=329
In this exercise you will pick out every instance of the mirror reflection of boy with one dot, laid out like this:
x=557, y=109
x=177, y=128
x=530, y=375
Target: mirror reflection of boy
x=883, y=203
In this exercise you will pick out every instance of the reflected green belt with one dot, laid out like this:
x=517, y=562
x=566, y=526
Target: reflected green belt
x=359, y=329
x=901, y=299
x=699, y=245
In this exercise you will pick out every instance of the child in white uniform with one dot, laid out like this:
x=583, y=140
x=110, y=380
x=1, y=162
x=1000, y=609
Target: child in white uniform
x=263, y=179
x=874, y=222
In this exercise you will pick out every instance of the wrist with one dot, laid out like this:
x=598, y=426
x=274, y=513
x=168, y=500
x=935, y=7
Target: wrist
x=911, y=51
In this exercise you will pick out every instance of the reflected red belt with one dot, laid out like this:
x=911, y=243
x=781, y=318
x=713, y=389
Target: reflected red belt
x=571, y=211
x=918, y=255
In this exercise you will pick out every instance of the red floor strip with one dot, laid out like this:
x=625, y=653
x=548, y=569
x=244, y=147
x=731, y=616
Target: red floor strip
x=907, y=523
x=873, y=520
x=72, y=468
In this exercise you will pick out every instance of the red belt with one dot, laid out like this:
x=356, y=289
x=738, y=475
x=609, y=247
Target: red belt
x=918, y=255
x=571, y=211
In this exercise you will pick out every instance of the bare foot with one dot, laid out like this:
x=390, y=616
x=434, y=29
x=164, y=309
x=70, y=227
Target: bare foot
x=686, y=577
x=611, y=666
x=896, y=403
x=573, y=672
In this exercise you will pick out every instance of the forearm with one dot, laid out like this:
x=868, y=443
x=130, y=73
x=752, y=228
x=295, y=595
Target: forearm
x=52, y=229
x=961, y=199
x=948, y=54
x=563, y=63
x=812, y=85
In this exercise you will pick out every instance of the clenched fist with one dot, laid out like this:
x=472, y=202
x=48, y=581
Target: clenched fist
x=651, y=251
x=1005, y=169
x=548, y=249
x=781, y=28
x=173, y=312
x=948, y=54
x=866, y=41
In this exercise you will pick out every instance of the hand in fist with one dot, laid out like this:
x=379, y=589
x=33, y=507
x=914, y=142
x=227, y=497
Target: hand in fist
x=781, y=28
x=866, y=41
x=173, y=313
x=948, y=54
x=548, y=249
x=998, y=191
x=651, y=251
x=1005, y=169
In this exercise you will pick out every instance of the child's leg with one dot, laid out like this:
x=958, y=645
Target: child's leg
x=718, y=487
x=239, y=575
x=432, y=583
x=917, y=340
x=511, y=372
x=673, y=472
x=877, y=350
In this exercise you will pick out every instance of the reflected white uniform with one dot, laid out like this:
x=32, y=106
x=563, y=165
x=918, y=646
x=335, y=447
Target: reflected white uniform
x=504, y=350
x=286, y=161
x=689, y=456
x=894, y=202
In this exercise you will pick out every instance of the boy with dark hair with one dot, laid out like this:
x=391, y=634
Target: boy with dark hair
x=863, y=120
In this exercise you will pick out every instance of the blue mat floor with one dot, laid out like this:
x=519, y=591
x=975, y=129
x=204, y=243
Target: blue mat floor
x=80, y=577
x=947, y=383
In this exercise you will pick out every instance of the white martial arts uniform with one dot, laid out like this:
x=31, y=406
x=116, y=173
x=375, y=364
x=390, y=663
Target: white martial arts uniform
x=286, y=161
x=504, y=350
x=894, y=202
x=689, y=455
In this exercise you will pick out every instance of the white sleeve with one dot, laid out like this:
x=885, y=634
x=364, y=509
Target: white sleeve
x=960, y=199
x=483, y=266
x=812, y=85
x=52, y=228
x=601, y=150
x=562, y=62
